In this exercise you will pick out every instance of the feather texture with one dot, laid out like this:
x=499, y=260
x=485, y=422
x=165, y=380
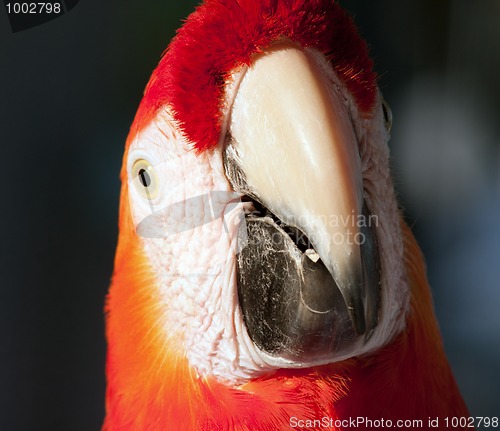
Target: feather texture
x=222, y=35
x=152, y=387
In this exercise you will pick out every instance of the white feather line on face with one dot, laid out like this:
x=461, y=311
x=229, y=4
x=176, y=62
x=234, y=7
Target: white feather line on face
x=193, y=251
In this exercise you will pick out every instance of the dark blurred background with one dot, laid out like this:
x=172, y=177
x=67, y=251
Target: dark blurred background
x=69, y=91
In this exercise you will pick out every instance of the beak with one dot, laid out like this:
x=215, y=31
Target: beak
x=309, y=277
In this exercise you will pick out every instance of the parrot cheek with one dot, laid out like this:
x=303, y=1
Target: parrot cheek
x=191, y=233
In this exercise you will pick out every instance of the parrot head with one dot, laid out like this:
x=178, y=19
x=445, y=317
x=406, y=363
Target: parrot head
x=262, y=262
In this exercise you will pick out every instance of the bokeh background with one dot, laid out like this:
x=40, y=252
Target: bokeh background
x=68, y=93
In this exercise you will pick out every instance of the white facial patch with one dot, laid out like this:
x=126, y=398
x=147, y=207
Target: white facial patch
x=191, y=230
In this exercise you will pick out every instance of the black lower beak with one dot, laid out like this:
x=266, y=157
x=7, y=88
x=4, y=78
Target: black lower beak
x=291, y=305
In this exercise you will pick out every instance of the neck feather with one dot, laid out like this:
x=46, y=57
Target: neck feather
x=151, y=387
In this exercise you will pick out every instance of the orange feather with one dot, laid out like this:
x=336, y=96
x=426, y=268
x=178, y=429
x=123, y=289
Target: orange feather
x=152, y=387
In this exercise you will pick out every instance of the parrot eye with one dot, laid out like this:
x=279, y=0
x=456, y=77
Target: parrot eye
x=145, y=179
x=387, y=115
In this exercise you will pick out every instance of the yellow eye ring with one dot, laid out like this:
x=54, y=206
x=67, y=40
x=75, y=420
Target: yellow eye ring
x=145, y=179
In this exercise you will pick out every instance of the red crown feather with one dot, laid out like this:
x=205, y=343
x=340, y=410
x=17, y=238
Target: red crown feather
x=224, y=34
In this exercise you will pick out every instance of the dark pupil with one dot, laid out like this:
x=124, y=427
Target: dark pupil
x=145, y=178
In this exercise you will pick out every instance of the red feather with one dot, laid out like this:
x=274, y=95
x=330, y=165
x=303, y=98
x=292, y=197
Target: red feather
x=224, y=34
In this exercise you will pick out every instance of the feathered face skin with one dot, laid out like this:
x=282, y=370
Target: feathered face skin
x=263, y=275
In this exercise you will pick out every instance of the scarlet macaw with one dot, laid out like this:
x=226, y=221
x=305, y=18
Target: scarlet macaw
x=264, y=278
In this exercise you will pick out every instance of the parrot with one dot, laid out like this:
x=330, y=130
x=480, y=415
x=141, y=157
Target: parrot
x=264, y=276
